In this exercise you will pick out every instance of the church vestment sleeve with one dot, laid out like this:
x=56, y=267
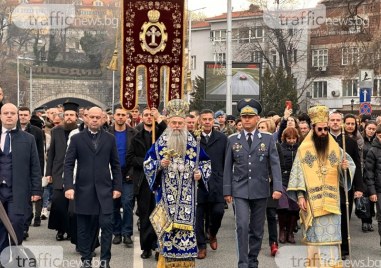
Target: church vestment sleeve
x=351, y=170
x=152, y=167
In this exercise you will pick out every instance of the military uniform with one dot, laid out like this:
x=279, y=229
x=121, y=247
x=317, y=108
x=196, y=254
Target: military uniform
x=246, y=179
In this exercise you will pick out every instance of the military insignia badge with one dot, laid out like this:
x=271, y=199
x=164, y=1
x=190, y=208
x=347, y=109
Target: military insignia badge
x=262, y=147
x=237, y=147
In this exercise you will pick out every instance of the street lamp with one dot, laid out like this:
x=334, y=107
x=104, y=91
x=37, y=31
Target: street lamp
x=18, y=79
x=30, y=88
x=352, y=101
x=113, y=66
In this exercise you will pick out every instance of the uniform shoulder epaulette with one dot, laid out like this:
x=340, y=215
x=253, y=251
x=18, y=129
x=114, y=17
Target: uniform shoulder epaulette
x=266, y=133
x=232, y=135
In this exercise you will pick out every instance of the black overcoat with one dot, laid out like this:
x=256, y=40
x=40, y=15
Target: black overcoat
x=26, y=172
x=94, y=186
x=136, y=153
x=215, y=149
x=56, y=156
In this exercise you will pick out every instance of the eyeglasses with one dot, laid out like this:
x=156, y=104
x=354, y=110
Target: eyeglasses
x=320, y=129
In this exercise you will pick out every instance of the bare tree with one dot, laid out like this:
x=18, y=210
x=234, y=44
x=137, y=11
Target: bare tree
x=275, y=48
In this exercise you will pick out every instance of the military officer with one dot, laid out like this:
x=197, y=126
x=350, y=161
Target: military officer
x=250, y=157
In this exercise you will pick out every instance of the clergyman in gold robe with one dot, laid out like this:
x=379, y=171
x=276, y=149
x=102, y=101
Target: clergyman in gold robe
x=316, y=175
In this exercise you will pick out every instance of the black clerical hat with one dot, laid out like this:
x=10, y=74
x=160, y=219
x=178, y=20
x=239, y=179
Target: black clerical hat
x=70, y=106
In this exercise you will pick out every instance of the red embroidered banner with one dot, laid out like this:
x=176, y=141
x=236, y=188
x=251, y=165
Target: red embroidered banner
x=153, y=38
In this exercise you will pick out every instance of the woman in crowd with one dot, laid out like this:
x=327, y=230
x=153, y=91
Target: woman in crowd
x=288, y=210
x=351, y=129
x=368, y=135
x=288, y=121
x=238, y=125
x=268, y=125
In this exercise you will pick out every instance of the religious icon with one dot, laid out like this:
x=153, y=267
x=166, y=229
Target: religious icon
x=153, y=36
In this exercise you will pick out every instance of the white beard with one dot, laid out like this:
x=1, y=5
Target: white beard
x=177, y=140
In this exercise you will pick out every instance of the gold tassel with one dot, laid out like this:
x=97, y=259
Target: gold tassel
x=113, y=66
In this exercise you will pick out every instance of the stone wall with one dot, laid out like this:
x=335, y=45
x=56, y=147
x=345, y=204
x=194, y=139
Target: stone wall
x=97, y=91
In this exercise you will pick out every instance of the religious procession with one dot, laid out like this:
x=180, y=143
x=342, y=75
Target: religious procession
x=236, y=169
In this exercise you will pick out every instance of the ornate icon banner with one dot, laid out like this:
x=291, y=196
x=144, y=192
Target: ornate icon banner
x=153, y=43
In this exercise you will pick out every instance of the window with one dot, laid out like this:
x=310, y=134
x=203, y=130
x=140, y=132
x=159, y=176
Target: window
x=292, y=55
x=256, y=56
x=350, y=88
x=320, y=89
x=349, y=55
x=235, y=35
x=218, y=35
x=193, y=63
x=247, y=35
x=376, y=88
x=244, y=35
x=219, y=57
x=256, y=32
x=98, y=3
x=273, y=57
x=319, y=57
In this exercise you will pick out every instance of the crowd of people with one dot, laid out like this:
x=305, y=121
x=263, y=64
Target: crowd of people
x=177, y=172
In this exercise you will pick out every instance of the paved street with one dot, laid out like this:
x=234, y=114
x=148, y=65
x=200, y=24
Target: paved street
x=245, y=86
x=365, y=247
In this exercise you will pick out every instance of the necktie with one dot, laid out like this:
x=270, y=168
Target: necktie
x=7, y=143
x=206, y=138
x=249, y=140
x=94, y=138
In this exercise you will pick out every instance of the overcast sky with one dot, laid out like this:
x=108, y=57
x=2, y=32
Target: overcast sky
x=217, y=7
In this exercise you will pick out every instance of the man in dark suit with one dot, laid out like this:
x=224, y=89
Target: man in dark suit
x=59, y=219
x=251, y=157
x=95, y=154
x=24, y=120
x=140, y=144
x=20, y=174
x=358, y=187
x=123, y=226
x=210, y=201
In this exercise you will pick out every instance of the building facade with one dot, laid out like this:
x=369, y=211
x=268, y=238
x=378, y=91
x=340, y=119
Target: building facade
x=325, y=61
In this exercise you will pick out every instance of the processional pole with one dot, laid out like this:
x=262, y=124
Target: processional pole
x=346, y=199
